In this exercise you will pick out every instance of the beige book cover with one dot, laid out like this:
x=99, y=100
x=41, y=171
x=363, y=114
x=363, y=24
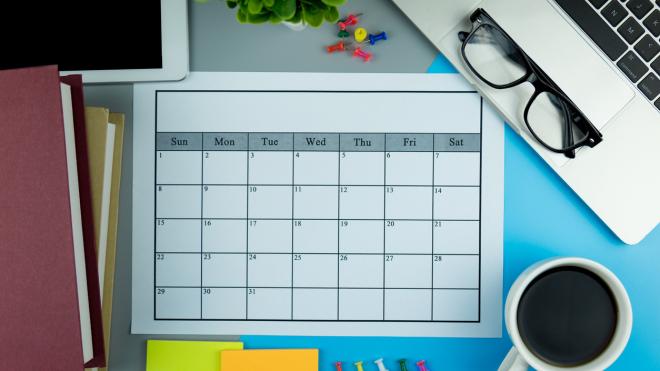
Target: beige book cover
x=109, y=279
x=96, y=124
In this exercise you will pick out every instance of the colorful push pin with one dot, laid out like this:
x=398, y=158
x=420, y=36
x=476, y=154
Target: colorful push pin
x=343, y=33
x=377, y=37
x=360, y=34
x=351, y=20
x=402, y=364
x=366, y=57
x=338, y=365
x=421, y=365
x=338, y=47
x=381, y=366
x=358, y=365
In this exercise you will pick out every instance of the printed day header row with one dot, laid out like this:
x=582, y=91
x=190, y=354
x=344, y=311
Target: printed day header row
x=326, y=142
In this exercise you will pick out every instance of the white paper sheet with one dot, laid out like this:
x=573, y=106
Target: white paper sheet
x=317, y=204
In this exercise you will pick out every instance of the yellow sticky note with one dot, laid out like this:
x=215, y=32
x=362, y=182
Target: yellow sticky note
x=270, y=360
x=168, y=355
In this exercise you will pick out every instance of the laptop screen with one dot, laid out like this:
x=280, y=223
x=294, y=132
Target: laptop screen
x=81, y=35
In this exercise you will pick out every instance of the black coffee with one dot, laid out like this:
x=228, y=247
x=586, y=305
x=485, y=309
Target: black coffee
x=567, y=316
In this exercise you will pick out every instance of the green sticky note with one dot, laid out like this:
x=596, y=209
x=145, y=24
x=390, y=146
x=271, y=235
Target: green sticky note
x=170, y=355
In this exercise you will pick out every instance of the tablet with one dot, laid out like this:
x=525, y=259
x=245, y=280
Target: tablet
x=108, y=41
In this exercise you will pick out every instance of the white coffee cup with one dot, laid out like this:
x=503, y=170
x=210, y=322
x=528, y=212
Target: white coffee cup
x=520, y=357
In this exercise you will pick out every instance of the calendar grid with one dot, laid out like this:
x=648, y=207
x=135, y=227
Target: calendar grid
x=394, y=217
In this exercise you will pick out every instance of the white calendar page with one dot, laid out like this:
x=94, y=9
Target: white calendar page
x=317, y=204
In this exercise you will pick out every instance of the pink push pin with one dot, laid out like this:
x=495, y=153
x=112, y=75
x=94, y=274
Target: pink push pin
x=338, y=365
x=338, y=47
x=366, y=57
x=421, y=365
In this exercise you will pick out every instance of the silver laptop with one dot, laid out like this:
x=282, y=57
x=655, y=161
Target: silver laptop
x=578, y=80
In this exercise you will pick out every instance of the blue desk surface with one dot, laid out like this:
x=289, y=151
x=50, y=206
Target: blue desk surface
x=542, y=218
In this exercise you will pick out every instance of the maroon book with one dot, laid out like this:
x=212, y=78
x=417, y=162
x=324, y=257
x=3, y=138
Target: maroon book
x=85, y=188
x=39, y=315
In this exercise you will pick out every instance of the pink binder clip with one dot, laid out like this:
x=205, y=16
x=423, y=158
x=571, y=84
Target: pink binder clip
x=338, y=365
x=421, y=365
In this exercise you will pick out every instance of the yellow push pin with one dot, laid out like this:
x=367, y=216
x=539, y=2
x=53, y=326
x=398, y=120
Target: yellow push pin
x=358, y=365
x=360, y=34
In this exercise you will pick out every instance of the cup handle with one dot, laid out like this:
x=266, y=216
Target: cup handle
x=513, y=362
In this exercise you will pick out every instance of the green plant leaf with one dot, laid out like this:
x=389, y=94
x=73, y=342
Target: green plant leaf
x=255, y=6
x=268, y=3
x=258, y=18
x=312, y=15
x=335, y=3
x=331, y=15
x=273, y=18
x=231, y=4
x=296, y=17
x=284, y=9
x=241, y=17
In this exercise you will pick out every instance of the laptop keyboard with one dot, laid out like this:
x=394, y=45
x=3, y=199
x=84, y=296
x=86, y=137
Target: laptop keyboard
x=627, y=32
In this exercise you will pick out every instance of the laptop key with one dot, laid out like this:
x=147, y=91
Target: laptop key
x=631, y=30
x=647, y=48
x=650, y=86
x=652, y=22
x=593, y=25
x=656, y=65
x=632, y=66
x=639, y=7
x=614, y=13
x=597, y=3
x=657, y=103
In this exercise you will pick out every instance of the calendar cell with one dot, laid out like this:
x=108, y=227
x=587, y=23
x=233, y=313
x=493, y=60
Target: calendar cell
x=315, y=202
x=409, y=168
x=224, y=270
x=178, y=303
x=223, y=303
x=456, y=271
x=398, y=274
x=360, y=271
x=457, y=168
x=269, y=270
x=224, y=236
x=456, y=237
x=456, y=203
x=225, y=167
x=179, y=167
x=408, y=305
x=178, y=235
x=315, y=236
x=455, y=305
x=314, y=304
x=408, y=202
x=408, y=237
x=270, y=167
x=361, y=168
x=361, y=236
x=316, y=168
x=224, y=201
x=315, y=270
x=178, y=269
x=270, y=201
x=264, y=303
x=361, y=202
x=178, y=201
x=360, y=304
x=269, y=236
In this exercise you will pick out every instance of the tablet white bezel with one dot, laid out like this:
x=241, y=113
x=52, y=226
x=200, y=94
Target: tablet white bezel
x=174, y=36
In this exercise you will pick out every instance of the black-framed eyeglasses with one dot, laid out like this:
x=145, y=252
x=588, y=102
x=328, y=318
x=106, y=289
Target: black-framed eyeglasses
x=551, y=117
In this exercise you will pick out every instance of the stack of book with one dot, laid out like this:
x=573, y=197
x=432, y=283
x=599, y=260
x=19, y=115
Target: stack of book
x=60, y=166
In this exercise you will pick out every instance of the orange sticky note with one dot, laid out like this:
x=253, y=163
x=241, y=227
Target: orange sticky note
x=270, y=359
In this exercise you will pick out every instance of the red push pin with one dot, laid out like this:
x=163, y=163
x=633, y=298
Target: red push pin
x=366, y=57
x=338, y=47
x=338, y=365
x=351, y=20
x=421, y=365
